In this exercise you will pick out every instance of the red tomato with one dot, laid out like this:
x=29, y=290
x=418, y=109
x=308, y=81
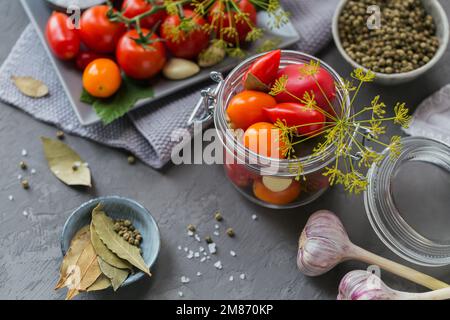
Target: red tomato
x=263, y=138
x=298, y=84
x=265, y=70
x=246, y=108
x=133, y=8
x=189, y=44
x=307, y=121
x=97, y=32
x=62, y=37
x=138, y=61
x=239, y=175
x=220, y=18
x=86, y=57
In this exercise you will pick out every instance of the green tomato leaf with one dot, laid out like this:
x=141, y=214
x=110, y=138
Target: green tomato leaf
x=121, y=102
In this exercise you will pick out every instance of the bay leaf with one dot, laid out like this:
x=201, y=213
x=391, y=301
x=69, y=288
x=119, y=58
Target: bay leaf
x=61, y=161
x=100, y=284
x=77, y=245
x=105, y=230
x=116, y=275
x=72, y=294
x=30, y=87
x=89, y=268
x=107, y=255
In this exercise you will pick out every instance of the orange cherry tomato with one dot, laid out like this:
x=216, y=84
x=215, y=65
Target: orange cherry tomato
x=102, y=78
x=246, y=108
x=264, y=139
x=279, y=198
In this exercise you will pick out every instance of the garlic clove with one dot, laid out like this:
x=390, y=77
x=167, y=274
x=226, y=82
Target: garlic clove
x=179, y=69
x=322, y=244
x=276, y=184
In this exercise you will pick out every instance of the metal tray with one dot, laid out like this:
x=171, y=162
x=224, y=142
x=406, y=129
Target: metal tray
x=39, y=12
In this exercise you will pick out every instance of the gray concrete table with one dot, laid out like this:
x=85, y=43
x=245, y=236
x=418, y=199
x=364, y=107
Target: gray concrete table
x=177, y=196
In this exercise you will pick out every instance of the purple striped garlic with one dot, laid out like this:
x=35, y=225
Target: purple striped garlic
x=364, y=285
x=323, y=244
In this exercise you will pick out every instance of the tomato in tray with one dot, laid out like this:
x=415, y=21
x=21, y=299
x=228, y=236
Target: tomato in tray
x=133, y=8
x=102, y=78
x=185, y=44
x=84, y=58
x=140, y=60
x=62, y=36
x=97, y=32
x=221, y=19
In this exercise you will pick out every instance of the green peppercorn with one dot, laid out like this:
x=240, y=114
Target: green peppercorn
x=25, y=184
x=131, y=160
x=191, y=228
x=218, y=216
x=60, y=135
x=126, y=236
x=23, y=165
x=230, y=232
x=209, y=240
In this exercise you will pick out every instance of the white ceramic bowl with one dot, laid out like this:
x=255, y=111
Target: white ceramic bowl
x=442, y=31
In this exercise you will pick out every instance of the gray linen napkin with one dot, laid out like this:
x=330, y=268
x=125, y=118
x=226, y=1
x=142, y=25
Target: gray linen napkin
x=145, y=132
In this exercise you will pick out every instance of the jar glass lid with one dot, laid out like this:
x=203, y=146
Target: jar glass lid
x=408, y=201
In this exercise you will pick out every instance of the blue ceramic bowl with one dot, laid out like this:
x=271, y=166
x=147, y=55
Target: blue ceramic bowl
x=118, y=208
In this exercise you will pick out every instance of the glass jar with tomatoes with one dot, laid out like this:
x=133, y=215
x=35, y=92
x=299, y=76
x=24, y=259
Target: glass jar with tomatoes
x=243, y=114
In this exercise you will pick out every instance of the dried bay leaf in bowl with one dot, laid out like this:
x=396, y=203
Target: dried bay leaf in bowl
x=66, y=164
x=116, y=276
x=104, y=227
x=105, y=254
x=30, y=87
x=77, y=245
x=100, y=284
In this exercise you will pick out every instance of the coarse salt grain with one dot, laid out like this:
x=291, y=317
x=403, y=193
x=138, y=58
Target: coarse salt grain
x=231, y=278
x=216, y=226
x=190, y=255
x=197, y=237
x=33, y=171
x=185, y=279
x=197, y=255
x=254, y=217
x=232, y=253
x=186, y=249
x=19, y=177
x=24, y=152
x=180, y=294
x=190, y=233
x=216, y=233
x=242, y=276
x=212, y=248
x=208, y=258
x=218, y=265
x=180, y=248
x=199, y=274
x=201, y=249
x=25, y=213
x=11, y=198
x=203, y=259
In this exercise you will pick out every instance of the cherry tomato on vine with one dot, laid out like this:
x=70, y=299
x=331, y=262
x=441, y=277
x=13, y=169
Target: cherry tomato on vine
x=102, y=78
x=263, y=71
x=263, y=138
x=84, y=58
x=278, y=198
x=62, y=37
x=308, y=121
x=220, y=18
x=140, y=61
x=299, y=83
x=133, y=8
x=188, y=44
x=246, y=108
x=97, y=32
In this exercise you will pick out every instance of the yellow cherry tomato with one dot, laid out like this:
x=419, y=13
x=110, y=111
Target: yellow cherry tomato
x=102, y=78
x=279, y=198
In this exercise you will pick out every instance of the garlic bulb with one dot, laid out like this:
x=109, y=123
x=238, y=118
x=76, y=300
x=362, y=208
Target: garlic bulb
x=322, y=244
x=363, y=285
